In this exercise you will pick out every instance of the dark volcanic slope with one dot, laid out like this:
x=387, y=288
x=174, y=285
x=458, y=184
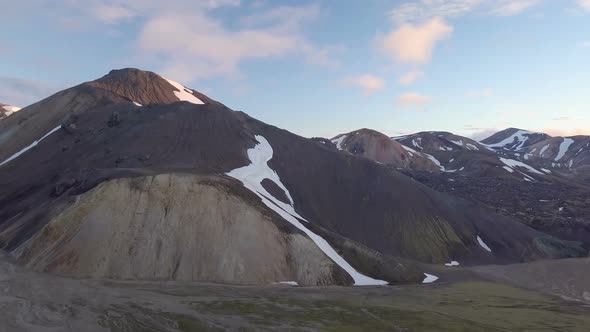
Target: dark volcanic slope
x=103, y=135
x=558, y=208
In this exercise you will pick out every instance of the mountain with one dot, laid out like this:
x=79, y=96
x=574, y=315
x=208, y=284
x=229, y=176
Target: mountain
x=514, y=139
x=561, y=154
x=436, y=152
x=564, y=156
x=537, y=191
x=377, y=146
x=434, y=141
x=456, y=153
x=133, y=176
x=6, y=110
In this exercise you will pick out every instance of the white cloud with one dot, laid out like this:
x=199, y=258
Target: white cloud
x=196, y=39
x=369, y=83
x=512, y=7
x=585, y=4
x=410, y=77
x=413, y=99
x=423, y=10
x=196, y=45
x=113, y=13
x=415, y=43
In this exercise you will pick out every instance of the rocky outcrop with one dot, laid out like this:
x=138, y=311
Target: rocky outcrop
x=175, y=227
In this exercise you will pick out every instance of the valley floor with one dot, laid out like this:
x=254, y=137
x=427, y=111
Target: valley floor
x=39, y=302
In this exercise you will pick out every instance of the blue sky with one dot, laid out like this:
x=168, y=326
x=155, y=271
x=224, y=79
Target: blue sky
x=319, y=68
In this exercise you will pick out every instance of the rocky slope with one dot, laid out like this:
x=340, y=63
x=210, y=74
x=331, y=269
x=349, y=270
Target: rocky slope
x=87, y=174
x=559, y=208
x=176, y=227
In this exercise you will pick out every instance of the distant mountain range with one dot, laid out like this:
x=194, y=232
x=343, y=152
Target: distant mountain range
x=135, y=176
x=539, y=179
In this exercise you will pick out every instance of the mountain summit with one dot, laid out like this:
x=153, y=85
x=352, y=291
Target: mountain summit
x=145, y=88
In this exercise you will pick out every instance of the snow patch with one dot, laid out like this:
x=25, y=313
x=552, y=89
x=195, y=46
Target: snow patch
x=32, y=145
x=252, y=175
x=434, y=160
x=417, y=142
x=429, y=278
x=184, y=94
x=508, y=169
x=452, y=263
x=483, y=244
x=472, y=147
x=564, y=147
x=546, y=170
x=338, y=141
x=409, y=149
x=459, y=142
x=515, y=163
x=137, y=104
x=290, y=283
